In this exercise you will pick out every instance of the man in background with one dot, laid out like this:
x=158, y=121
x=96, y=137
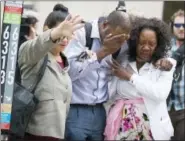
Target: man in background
x=28, y=27
x=177, y=26
x=176, y=98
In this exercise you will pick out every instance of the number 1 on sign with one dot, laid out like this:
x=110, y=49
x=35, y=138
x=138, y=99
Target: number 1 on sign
x=13, y=62
x=3, y=58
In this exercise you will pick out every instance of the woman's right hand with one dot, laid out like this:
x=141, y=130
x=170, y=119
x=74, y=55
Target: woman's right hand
x=67, y=27
x=119, y=71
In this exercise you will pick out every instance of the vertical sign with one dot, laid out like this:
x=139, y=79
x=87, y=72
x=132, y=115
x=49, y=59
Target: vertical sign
x=9, y=45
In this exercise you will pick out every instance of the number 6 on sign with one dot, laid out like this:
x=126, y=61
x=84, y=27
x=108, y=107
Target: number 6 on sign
x=6, y=33
x=15, y=34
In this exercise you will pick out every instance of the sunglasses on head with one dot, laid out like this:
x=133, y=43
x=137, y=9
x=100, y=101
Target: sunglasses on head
x=178, y=25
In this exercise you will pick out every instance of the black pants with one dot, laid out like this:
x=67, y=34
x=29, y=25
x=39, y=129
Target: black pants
x=177, y=118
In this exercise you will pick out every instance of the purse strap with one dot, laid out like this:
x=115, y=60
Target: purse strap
x=40, y=74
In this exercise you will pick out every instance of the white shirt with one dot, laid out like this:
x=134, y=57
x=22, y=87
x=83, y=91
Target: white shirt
x=154, y=86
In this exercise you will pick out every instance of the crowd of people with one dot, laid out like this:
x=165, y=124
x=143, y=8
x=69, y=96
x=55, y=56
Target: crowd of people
x=127, y=85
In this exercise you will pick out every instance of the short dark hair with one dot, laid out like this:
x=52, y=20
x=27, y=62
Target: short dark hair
x=58, y=15
x=119, y=18
x=162, y=33
x=60, y=7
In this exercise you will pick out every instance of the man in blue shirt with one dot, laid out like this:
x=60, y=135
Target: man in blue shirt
x=90, y=76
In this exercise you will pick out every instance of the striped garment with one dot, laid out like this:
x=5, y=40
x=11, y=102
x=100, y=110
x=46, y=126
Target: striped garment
x=177, y=96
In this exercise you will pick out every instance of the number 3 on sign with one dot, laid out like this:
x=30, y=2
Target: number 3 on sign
x=14, y=48
x=2, y=76
x=5, y=47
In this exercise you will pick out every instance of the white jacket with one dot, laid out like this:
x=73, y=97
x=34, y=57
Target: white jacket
x=154, y=86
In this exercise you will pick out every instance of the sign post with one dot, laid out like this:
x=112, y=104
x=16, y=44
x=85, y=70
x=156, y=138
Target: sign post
x=9, y=46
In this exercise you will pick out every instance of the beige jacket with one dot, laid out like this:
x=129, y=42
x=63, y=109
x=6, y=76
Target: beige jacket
x=54, y=90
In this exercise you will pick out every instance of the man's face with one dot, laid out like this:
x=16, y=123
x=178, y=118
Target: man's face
x=178, y=27
x=108, y=29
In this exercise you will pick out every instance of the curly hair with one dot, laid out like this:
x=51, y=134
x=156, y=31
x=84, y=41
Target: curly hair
x=163, y=34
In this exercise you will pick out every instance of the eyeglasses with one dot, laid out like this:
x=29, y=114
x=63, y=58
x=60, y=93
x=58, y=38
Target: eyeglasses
x=178, y=25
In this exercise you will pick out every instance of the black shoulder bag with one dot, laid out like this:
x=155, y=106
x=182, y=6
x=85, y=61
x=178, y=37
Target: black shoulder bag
x=24, y=104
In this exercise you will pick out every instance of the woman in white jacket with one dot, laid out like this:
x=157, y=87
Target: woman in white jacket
x=140, y=90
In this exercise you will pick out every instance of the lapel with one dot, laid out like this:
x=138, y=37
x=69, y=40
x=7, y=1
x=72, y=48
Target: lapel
x=133, y=66
x=52, y=63
x=146, y=67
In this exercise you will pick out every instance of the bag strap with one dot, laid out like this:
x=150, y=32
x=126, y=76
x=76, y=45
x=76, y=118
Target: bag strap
x=115, y=55
x=40, y=74
x=88, y=30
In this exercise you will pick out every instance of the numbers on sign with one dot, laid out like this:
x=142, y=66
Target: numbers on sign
x=14, y=48
x=15, y=34
x=6, y=36
x=10, y=78
x=5, y=47
x=6, y=33
x=3, y=58
x=9, y=42
x=2, y=76
x=13, y=62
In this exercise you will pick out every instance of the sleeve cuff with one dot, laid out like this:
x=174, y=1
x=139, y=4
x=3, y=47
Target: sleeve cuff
x=173, y=61
x=94, y=57
x=133, y=79
x=51, y=38
x=95, y=61
x=47, y=36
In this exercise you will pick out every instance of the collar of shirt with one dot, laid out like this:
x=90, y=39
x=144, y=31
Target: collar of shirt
x=95, y=30
x=144, y=68
x=174, y=45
